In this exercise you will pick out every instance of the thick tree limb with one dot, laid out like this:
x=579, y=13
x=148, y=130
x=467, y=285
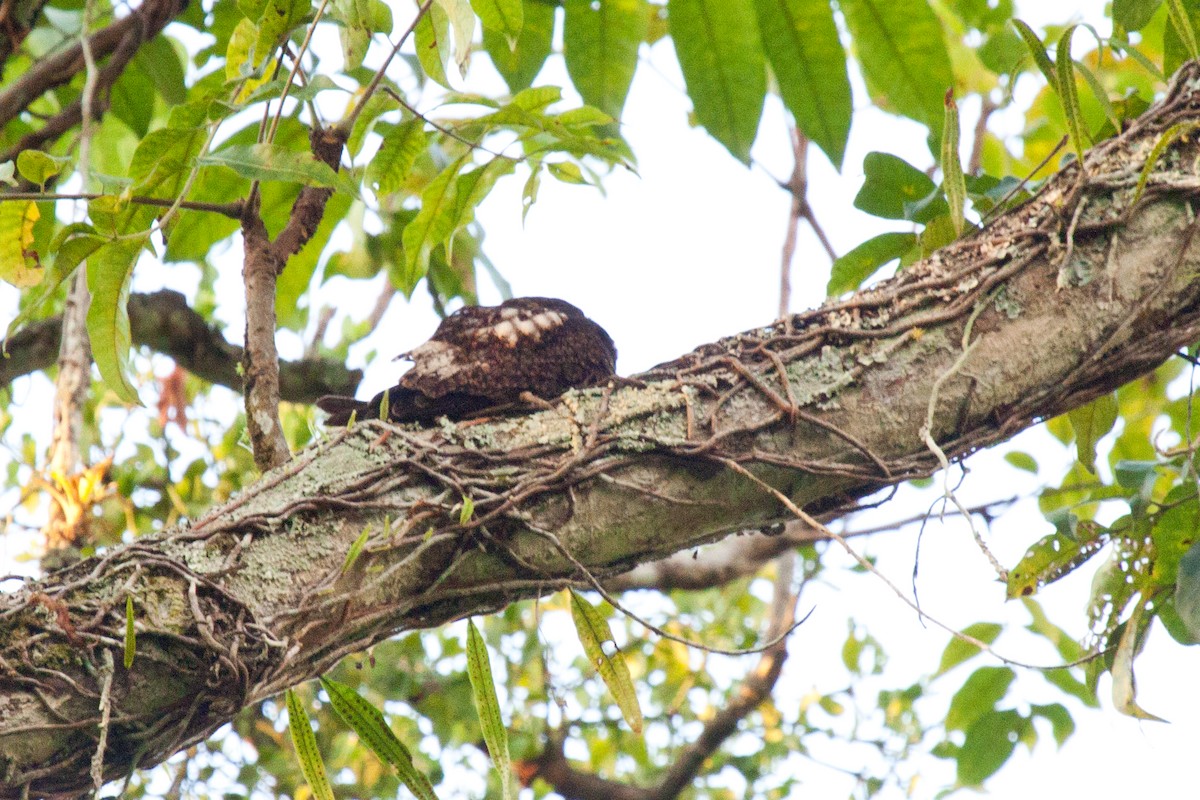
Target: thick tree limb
x=1075, y=293
x=165, y=323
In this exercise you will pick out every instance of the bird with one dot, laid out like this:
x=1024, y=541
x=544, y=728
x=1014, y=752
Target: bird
x=481, y=357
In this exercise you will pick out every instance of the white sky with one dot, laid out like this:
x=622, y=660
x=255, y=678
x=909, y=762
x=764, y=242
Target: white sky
x=689, y=251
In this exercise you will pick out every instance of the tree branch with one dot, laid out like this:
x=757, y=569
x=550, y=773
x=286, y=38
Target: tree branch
x=142, y=24
x=257, y=595
x=163, y=322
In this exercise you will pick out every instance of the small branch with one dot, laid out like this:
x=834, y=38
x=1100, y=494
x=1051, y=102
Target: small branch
x=261, y=358
x=798, y=186
x=145, y=22
x=231, y=210
x=163, y=322
x=986, y=109
x=347, y=124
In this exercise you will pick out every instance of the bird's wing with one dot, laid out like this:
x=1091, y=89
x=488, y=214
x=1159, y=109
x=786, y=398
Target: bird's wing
x=487, y=351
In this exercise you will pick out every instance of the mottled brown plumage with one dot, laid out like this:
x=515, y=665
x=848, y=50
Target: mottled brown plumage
x=486, y=356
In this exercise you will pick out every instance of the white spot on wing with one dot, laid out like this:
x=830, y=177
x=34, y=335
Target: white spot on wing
x=548, y=320
x=527, y=327
x=433, y=358
x=506, y=332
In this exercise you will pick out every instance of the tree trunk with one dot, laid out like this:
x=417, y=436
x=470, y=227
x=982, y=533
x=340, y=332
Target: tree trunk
x=1076, y=292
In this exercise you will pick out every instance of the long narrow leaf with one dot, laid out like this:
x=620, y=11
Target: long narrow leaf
x=369, y=724
x=953, y=181
x=1037, y=50
x=1068, y=95
x=479, y=671
x=593, y=632
x=306, y=748
x=130, y=633
x=1183, y=27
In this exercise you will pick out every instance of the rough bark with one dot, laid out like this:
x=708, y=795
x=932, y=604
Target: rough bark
x=1082, y=289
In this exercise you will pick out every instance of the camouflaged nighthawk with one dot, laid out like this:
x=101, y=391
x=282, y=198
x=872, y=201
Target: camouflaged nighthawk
x=481, y=357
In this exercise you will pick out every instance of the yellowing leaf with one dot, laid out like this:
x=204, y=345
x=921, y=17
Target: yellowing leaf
x=19, y=265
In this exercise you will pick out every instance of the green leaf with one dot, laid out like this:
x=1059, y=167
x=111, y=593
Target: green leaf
x=160, y=61
x=988, y=744
x=1174, y=47
x=361, y=19
x=433, y=44
x=306, y=748
x=567, y=172
x=131, y=98
x=802, y=45
x=1022, y=461
x=504, y=16
x=1037, y=50
x=273, y=162
x=979, y=694
x=1091, y=423
x=1182, y=24
x=894, y=189
x=278, y=19
x=483, y=689
x=1160, y=145
x=958, y=651
x=1068, y=93
x=398, y=151
x=1059, y=718
x=1055, y=556
x=902, y=52
x=593, y=632
x=369, y=724
x=355, y=549
x=164, y=159
x=1132, y=15
x=130, y=633
x=953, y=182
x=433, y=224
x=19, y=264
x=723, y=65
x=600, y=47
x=109, y=272
x=38, y=167
x=467, y=510
x=862, y=262
x=1187, y=591
x=520, y=64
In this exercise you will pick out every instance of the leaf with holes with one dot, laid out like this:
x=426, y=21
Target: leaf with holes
x=1055, y=556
